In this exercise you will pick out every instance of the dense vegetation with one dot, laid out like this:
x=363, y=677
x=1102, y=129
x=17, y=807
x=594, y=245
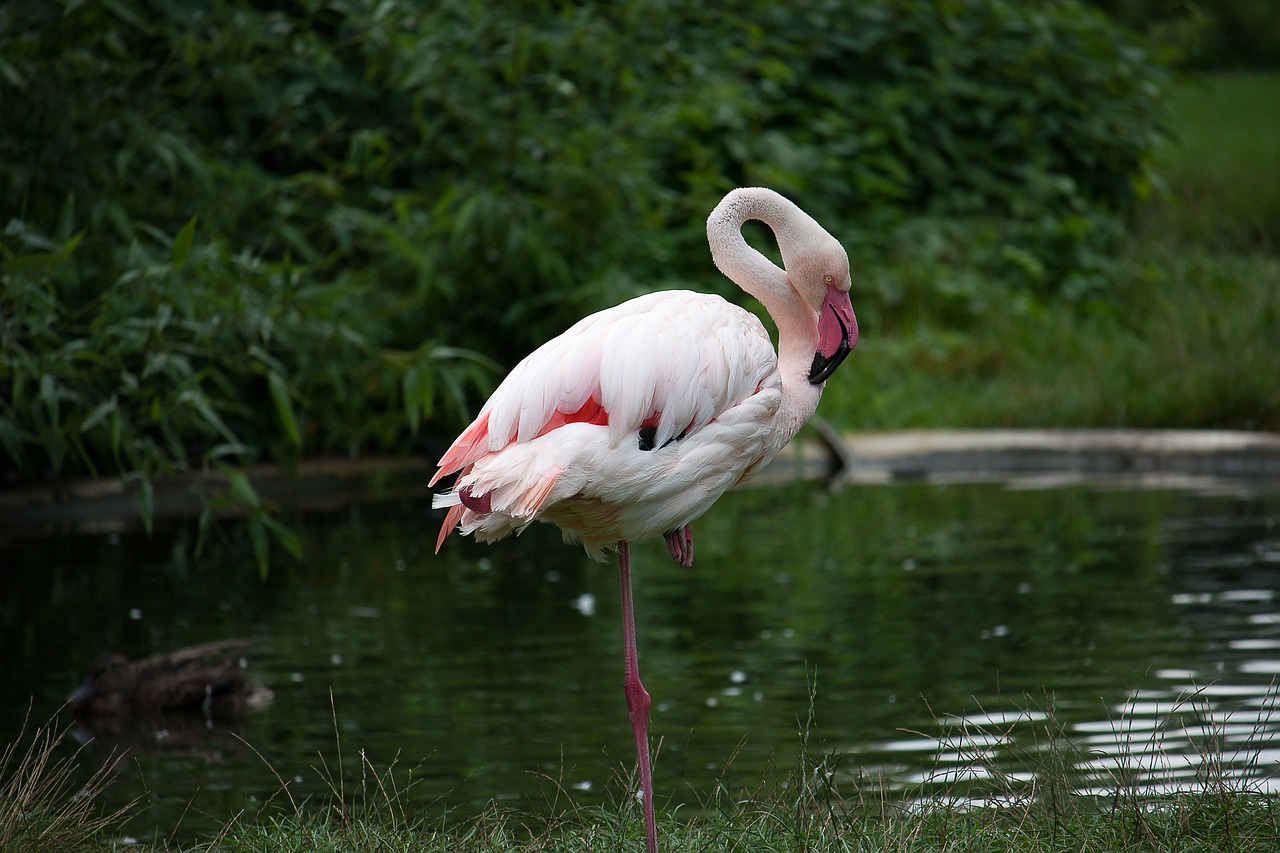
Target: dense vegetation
x=234, y=231
x=1182, y=339
x=1215, y=34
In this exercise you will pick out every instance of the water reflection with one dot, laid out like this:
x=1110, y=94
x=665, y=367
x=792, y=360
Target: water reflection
x=948, y=641
x=1213, y=720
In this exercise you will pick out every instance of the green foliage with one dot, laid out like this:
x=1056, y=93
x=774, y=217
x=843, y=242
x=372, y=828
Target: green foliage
x=194, y=353
x=956, y=107
x=1209, y=34
x=1175, y=329
x=236, y=231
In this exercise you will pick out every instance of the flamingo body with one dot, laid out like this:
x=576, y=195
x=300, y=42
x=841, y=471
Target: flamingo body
x=637, y=418
x=560, y=439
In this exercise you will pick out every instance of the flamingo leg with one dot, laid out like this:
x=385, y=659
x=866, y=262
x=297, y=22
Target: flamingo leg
x=637, y=696
x=680, y=545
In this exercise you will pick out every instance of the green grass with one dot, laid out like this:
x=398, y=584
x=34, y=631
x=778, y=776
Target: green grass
x=1190, y=823
x=802, y=811
x=816, y=806
x=1222, y=166
x=1192, y=345
x=1187, y=336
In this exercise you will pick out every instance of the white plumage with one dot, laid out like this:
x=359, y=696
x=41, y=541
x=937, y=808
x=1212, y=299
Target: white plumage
x=683, y=363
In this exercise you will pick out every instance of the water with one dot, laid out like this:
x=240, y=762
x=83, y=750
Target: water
x=931, y=641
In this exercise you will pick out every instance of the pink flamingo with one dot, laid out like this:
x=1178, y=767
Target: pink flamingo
x=635, y=420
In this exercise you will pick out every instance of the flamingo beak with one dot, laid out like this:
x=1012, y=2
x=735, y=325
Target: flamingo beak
x=837, y=335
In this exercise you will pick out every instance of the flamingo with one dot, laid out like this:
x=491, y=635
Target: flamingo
x=634, y=421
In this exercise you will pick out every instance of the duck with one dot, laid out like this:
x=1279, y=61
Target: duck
x=188, y=679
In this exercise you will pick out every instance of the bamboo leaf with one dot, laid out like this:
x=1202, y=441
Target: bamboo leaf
x=146, y=503
x=285, y=536
x=50, y=394
x=116, y=429
x=12, y=75
x=418, y=393
x=261, y=548
x=66, y=218
x=241, y=489
x=203, y=524
x=182, y=242
x=98, y=413
x=284, y=407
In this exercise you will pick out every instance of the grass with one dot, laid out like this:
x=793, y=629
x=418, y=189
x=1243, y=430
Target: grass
x=1188, y=340
x=1192, y=346
x=815, y=807
x=1223, y=166
x=42, y=806
x=1183, y=824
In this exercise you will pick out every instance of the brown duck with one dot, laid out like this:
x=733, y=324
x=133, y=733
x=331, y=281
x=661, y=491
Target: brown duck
x=193, y=678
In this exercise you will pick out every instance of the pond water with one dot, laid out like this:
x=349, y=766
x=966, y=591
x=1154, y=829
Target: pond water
x=926, y=641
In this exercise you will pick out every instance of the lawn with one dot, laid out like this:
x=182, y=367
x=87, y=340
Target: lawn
x=1222, y=166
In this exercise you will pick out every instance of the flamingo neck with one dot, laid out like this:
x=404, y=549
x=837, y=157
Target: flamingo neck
x=797, y=322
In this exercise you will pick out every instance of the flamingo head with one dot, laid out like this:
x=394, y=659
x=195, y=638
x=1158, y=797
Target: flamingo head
x=817, y=269
x=837, y=333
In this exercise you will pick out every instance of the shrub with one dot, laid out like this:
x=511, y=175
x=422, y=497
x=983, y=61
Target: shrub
x=236, y=230
x=1207, y=34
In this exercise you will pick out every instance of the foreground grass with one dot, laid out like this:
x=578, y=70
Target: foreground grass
x=41, y=806
x=42, y=809
x=1187, y=823
x=1186, y=337
x=1219, y=821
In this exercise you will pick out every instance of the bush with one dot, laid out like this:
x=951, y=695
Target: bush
x=1207, y=34
x=236, y=230
x=191, y=353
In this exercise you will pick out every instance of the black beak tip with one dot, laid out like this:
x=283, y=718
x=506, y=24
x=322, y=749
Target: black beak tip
x=824, y=366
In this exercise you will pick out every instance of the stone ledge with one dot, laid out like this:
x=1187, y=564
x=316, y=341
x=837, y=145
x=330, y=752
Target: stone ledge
x=1112, y=458
x=1108, y=457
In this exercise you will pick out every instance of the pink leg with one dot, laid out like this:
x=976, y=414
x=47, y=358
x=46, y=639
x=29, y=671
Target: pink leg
x=637, y=696
x=680, y=544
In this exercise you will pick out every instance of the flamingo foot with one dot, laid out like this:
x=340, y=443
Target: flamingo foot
x=637, y=696
x=476, y=503
x=680, y=544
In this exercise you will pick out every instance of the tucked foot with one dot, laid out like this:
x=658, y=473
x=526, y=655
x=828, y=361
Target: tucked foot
x=680, y=544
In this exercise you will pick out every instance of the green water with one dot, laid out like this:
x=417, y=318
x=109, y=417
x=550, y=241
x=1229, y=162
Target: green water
x=923, y=635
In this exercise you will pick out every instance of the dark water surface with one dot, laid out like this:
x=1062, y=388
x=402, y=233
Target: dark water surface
x=943, y=636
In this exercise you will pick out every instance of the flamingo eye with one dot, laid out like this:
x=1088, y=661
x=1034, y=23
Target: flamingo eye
x=828, y=278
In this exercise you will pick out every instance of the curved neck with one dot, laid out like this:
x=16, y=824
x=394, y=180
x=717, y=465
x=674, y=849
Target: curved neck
x=797, y=322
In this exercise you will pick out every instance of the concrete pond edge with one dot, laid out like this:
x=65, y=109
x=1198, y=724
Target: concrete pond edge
x=1210, y=461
